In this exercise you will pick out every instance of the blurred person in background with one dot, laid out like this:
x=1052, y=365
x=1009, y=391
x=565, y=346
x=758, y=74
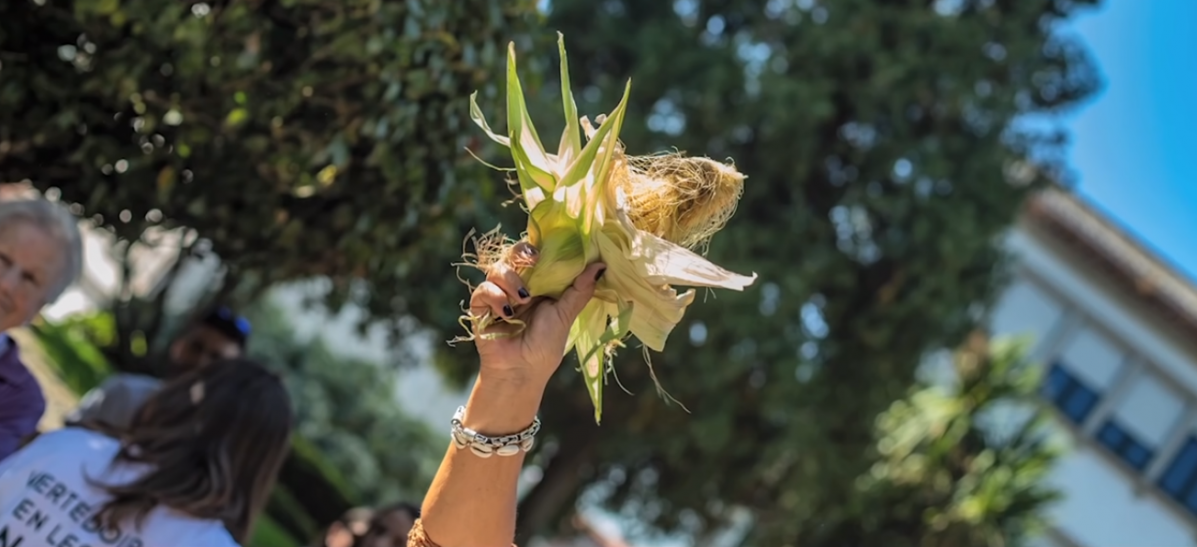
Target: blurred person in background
x=219, y=334
x=390, y=526
x=347, y=530
x=41, y=254
x=196, y=468
x=386, y=526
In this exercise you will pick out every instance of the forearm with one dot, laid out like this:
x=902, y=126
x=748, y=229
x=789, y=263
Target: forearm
x=472, y=500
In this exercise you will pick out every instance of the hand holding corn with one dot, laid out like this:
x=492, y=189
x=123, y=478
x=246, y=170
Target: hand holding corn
x=641, y=216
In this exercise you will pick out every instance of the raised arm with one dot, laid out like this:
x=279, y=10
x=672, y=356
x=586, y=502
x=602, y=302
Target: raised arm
x=472, y=500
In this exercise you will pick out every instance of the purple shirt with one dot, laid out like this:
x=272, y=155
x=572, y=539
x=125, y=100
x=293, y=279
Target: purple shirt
x=21, y=399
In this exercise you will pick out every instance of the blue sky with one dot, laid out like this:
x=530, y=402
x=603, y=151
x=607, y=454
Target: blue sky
x=1131, y=141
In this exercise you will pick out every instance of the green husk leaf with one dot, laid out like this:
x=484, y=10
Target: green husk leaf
x=593, y=361
x=480, y=119
x=616, y=120
x=532, y=163
x=579, y=180
x=563, y=251
x=571, y=139
x=587, y=332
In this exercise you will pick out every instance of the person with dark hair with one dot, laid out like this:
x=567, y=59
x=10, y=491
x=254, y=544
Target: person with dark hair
x=386, y=526
x=196, y=468
x=216, y=335
x=390, y=526
x=347, y=530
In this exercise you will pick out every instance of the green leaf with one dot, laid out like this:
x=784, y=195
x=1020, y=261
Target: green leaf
x=531, y=162
x=592, y=356
x=480, y=119
x=587, y=333
x=571, y=139
x=236, y=117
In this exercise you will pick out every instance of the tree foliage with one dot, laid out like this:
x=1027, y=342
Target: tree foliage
x=301, y=137
x=958, y=462
x=347, y=407
x=886, y=153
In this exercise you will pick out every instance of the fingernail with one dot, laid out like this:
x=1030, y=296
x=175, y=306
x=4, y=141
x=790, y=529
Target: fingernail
x=526, y=249
x=523, y=293
x=600, y=273
x=507, y=311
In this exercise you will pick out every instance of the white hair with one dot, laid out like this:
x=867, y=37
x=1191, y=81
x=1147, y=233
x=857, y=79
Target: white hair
x=61, y=225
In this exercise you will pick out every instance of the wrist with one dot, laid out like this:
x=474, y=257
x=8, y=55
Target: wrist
x=514, y=382
x=501, y=403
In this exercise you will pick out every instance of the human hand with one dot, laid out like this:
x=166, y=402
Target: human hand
x=532, y=355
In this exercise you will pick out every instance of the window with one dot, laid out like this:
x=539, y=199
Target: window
x=1180, y=479
x=1124, y=445
x=1085, y=368
x=1142, y=420
x=1069, y=394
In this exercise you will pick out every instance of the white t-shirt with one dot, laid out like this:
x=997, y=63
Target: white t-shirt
x=116, y=400
x=46, y=500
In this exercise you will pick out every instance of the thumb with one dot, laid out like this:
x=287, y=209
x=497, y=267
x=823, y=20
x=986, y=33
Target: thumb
x=576, y=297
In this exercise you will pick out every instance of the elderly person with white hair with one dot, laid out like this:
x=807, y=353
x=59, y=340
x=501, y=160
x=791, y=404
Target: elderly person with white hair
x=41, y=254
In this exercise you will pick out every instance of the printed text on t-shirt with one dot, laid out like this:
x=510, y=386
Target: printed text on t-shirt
x=52, y=510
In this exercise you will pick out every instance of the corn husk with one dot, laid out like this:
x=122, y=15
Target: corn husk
x=591, y=202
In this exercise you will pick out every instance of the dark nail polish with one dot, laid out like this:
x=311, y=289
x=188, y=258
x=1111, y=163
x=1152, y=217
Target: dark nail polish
x=507, y=311
x=600, y=273
x=523, y=293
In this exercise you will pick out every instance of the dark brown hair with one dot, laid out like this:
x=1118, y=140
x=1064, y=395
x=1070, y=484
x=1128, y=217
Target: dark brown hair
x=214, y=439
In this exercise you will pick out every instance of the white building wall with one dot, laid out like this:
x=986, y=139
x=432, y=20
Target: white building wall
x=1101, y=508
x=1138, y=417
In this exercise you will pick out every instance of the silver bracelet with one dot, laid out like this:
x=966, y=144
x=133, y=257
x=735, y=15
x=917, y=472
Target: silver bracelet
x=485, y=447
